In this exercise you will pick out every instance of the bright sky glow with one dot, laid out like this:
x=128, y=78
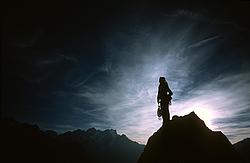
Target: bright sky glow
x=130, y=104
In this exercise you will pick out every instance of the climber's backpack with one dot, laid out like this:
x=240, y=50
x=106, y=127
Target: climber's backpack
x=159, y=114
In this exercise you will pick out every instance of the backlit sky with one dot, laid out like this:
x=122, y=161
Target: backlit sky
x=69, y=66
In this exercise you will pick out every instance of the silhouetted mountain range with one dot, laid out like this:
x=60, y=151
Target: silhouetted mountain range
x=183, y=139
x=243, y=148
x=187, y=139
x=27, y=143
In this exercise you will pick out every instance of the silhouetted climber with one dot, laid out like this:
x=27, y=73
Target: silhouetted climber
x=164, y=100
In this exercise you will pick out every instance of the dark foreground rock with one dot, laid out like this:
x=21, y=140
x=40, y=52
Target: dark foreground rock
x=243, y=148
x=187, y=140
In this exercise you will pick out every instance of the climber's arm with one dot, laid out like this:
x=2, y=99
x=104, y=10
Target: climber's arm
x=169, y=90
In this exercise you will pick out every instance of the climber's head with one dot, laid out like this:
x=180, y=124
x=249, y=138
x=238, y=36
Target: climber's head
x=162, y=79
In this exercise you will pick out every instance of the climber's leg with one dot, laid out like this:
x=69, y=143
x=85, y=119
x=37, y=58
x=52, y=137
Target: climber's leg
x=165, y=113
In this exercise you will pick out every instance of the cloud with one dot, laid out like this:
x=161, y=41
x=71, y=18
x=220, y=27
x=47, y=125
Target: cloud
x=222, y=103
x=203, y=42
x=68, y=57
x=186, y=14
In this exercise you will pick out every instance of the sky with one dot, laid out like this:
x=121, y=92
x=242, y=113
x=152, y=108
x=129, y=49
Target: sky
x=80, y=65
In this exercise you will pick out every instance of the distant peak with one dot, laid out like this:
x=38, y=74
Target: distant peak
x=91, y=130
x=112, y=131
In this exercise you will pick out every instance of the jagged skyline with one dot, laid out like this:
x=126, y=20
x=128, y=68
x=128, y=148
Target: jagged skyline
x=74, y=66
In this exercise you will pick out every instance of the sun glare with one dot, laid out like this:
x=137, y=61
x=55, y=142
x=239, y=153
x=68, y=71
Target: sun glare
x=204, y=113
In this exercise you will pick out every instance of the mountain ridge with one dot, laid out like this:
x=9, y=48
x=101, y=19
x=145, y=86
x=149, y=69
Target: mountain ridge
x=28, y=143
x=243, y=148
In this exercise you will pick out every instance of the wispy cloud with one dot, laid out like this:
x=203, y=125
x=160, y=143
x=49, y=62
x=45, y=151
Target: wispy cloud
x=203, y=42
x=68, y=57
